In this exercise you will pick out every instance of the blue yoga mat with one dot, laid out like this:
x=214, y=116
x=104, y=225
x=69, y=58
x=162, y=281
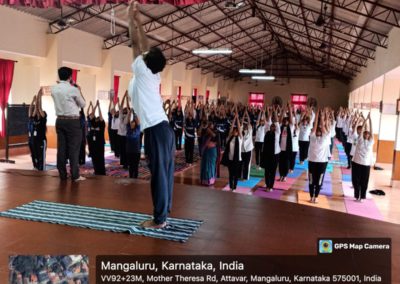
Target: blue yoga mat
x=252, y=182
x=346, y=177
x=179, y=230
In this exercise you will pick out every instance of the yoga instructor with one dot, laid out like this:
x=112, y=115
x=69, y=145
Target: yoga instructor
x=68, y=101
x=159, y=140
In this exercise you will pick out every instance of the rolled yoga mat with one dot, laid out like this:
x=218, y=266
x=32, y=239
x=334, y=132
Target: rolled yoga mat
x=179, y=230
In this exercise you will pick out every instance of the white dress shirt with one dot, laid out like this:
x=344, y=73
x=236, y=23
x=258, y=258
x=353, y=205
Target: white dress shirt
x=232, y=148
x=248, y=140
x=68, y=100
x=260, y=133
x=144, y=91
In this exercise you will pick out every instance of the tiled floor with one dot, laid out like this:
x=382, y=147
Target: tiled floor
x=295, y=189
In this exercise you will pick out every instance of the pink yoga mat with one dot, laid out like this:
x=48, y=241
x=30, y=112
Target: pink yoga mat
x=366, y=209
x=348, y=190
x=346, y=171
x=239, y=189
x=284, y=185
x=276, y=194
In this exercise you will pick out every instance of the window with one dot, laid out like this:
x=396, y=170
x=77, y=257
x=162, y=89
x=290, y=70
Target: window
x=256, y=99
x=299, y=100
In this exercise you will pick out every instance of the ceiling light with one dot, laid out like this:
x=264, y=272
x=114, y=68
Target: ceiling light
x=252, y=71
x=212, y=51
x=269, y=78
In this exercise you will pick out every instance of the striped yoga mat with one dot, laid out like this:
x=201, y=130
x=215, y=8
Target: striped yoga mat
x=179, y=230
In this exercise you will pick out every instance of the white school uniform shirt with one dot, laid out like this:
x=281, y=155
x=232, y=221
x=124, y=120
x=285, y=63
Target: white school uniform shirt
x=115, y=123
x=295, y=139
x=144, y=91
x=260, y=133
x=363, y=153
x=305, y=131
x=333, y=131
x=248, y=140
x=354, y=143
x=350, y=136
x=319, y=148
x=339, y=122
x=232, y=148
x=346, y=127
x=122, y=126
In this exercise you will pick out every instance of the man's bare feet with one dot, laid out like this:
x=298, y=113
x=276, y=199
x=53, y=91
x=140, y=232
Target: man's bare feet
x=149, y=224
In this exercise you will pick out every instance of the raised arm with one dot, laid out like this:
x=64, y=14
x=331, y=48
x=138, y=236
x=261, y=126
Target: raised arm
x=39, y=103
x=314, y=129
x=88, y=112
x=133, y=15
x=100, y=114
x=32, y=108
x=370, y=127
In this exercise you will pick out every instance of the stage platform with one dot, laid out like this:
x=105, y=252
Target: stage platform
x=233, y=223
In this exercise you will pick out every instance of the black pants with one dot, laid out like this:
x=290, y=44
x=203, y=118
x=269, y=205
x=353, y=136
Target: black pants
x=360, y=179
x=331, y=146
x=82, y=152
x=98, y=158
x=347, y=149
x=178, y=139
x=223, y=139
x=292, y=160
x=234, y=169
x=122, y=149
x=110, y=137
x=133, y=164
x=316, y=172
x=284, y=161
x=340, y=134
x=246, y=161
x=199, y=140
x=39, y=146
x=303, y=145
x=69, y=137
x=270, y=170
x=114, y=139
x=159, y=147
x=189, y=149
x=258, y=148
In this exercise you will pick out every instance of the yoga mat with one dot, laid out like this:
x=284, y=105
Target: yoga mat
x=276, y=194
x=367, y=208
x=102, y=219
x=239, y=189
x=296, y=173
x=348, y=190
x=254, y=172
x=326, y=188
x=284, y=185
x=346, y=178
x=346, y=171
x=304, y=197
x=252, y=182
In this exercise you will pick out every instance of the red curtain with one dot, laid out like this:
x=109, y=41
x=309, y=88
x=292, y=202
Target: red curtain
x=116, y=88
x=56, y=3
x=207, y=95
x=74, y=75
x=6, y=78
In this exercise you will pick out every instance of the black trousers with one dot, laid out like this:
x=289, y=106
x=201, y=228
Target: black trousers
x=258, y=148
x=114, y=140
x=316, y=172
x=39, y=146
x=98, y=158
x=270, y=170
x=69, y=138
x=340, y=134
x=110, y=137
x=159, y=147
x=246, y=161
x=347, y=149
x=304, y=145
x=31, y=149
x=189, y=149
x=222, y=135
x=284, y=161
x=82, y=152
x=122, y=149
x=331, y=146
x=292, y=160
x=133, y=164
x=360, y=179
x=234, y=169
x=178, y=139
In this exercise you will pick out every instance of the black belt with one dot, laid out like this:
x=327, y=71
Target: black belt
x=67, y=117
